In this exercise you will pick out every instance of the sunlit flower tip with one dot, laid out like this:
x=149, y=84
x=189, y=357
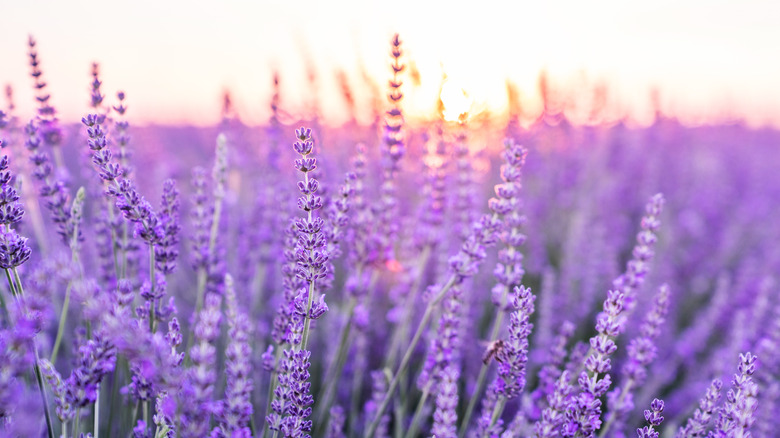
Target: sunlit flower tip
x=90, y=120
x=303, y=133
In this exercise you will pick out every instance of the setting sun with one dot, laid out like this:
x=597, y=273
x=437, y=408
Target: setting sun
x=456, y=101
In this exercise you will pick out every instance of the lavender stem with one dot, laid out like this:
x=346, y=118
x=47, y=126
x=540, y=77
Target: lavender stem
x=408, y=355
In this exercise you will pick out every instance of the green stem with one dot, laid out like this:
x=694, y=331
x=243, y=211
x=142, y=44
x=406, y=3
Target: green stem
x=153, y=286
x=146, y=412
x=201, y=288
x=414, y=426
x=61, y=327
x=271, y=388
x=39, y=378
x=402, y=332
x=621, y=399
x=96, y=425
x=497, y=411
x=11, y=284
x=334, y=372
x=408, y=355
x=307, y=320
x=482, y=373
x=76, y=423
x=5, y=309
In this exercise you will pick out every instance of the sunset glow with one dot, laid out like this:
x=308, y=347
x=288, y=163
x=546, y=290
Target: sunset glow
x=456, y=101
x=175, y=58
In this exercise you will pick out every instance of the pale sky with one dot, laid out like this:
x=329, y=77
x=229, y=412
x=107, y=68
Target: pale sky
x=710, y=59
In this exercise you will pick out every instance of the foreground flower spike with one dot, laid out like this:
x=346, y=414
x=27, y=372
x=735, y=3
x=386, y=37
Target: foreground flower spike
x=697, y=425
x=445, y=417
x=584, y=418
x=311, y=249
x=509, y=269
x=513, y=355
x=653, y=418
x=737, y=415
x=14, y=252
x=641, y=352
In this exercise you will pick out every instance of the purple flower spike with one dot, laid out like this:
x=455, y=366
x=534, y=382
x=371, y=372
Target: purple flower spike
x=167, y=252
x=237, y=408
x=445, y=416
x=513, y=356
x=199, y=385
x=697, y=425
x=738, y=414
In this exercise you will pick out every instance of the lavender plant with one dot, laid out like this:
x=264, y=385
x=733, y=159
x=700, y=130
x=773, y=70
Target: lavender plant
x=110, y=334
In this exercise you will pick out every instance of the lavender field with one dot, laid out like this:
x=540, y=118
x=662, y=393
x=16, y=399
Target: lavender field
x=397, y=279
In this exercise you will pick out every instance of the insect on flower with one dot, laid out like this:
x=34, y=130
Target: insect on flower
x=493, y=351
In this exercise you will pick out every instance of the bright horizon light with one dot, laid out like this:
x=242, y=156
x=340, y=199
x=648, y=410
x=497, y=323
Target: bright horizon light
x=710, y=61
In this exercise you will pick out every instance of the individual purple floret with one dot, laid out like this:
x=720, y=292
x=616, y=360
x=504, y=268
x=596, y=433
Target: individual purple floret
x=653, y=418
x=697, y=425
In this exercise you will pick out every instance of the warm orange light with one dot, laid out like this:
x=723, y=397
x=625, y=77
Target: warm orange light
x=455, y=100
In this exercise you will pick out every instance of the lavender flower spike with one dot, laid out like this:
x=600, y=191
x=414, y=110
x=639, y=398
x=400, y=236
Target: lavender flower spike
x=737, y=415
x=311, y=248
x=238, y=407
x=697, y=425
x=641, y=352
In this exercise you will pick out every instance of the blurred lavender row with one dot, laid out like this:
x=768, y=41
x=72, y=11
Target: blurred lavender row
x=442, y=279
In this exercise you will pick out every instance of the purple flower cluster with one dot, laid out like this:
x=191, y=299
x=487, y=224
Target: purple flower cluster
x=396, y=222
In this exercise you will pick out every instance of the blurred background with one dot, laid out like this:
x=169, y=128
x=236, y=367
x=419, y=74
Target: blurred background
x=701, y=61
